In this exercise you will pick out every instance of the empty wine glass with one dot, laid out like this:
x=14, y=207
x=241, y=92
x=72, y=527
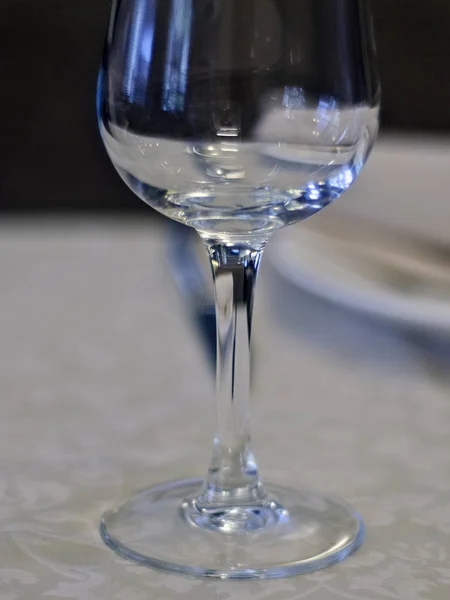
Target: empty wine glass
x=236, y=117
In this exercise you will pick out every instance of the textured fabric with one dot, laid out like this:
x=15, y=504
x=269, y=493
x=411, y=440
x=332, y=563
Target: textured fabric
x=104, y=388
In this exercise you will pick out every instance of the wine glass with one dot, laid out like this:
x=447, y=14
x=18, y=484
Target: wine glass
x=237, y=118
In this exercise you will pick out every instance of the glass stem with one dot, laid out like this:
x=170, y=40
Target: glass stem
x=233, y=478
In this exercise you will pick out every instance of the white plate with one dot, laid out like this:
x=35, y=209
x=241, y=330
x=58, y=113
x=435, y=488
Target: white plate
x=382, y=248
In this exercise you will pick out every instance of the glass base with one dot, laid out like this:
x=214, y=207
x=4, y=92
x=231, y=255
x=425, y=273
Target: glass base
x=308, y=531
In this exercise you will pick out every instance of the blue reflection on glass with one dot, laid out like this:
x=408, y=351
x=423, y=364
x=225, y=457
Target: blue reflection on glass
x=313, y=192
x=140, y=50
x=344, y=179
x=327, y=103
x=293, y=97
x=178, y=46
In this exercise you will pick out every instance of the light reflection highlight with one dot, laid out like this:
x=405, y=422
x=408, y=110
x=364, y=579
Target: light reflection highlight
x=177, y=57
x=140, y=50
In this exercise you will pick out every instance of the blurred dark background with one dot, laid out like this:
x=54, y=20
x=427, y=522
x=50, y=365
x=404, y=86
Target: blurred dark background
x=51, y=157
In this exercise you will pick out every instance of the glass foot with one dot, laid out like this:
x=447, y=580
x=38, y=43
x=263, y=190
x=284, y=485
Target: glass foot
x=311, y=531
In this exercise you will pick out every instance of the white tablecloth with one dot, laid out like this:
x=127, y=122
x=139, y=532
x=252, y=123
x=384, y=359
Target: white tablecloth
x=104, y=388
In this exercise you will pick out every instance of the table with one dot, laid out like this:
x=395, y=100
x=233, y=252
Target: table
x=105, y=388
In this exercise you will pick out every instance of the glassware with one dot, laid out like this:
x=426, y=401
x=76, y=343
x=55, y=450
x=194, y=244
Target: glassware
x=237, y=117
